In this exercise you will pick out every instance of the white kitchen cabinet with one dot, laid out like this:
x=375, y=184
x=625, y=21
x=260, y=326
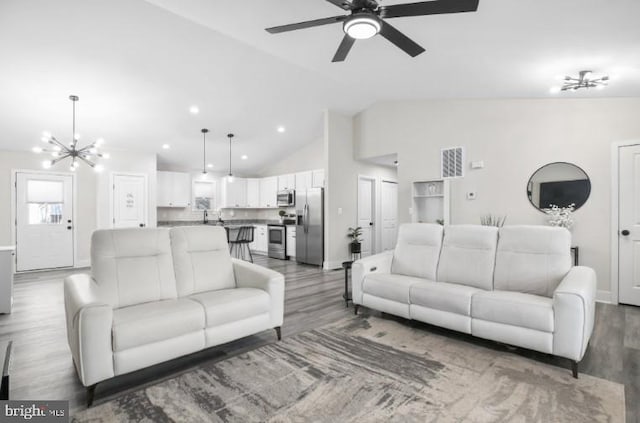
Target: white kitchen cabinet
x=174, y=189
x=303, y=180
x=6, y=278
x=317, y=178
x=234, y=194
x=291, y=240
x=253, y=193
x=260, y=242
x=286, y=182
x=269, y=192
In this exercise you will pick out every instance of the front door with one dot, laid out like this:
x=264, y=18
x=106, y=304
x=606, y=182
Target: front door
x=44, y=221
x=629, y=225
x=129, y=201
x=366, y=213
x=389, y=214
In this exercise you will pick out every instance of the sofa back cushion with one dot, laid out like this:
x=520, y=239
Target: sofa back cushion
x=201, y=259
x=532, y=259
x=417, y=250
x=468, y=255
x=132, y=266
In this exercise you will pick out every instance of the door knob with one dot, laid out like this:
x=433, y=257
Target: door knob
x=69, y=227
x=142, y=225
x=69, y=221
x=625, y=232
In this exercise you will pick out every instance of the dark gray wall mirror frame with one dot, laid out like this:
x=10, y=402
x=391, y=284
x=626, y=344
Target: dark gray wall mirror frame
x=560, y=184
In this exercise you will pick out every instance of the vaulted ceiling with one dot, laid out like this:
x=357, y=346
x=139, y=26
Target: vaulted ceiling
x=139, y=65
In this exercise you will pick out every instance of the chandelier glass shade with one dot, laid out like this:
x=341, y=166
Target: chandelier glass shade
x=59, y=151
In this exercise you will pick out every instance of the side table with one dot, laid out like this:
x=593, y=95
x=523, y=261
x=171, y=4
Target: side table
x=5, y=361
x=346, y=265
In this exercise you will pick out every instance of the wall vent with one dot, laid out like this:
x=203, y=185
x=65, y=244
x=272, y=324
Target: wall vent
x=452, y=162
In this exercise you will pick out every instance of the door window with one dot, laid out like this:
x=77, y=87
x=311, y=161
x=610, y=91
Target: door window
x=45, y=201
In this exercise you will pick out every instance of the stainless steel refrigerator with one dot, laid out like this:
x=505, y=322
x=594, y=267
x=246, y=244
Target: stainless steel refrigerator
x=310, y=226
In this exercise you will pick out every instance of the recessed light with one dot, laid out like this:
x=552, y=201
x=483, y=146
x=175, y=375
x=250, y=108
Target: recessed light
x=210, y=165
x=281, y=129
x=166, y=146
x=194, y=110
x=244, y=157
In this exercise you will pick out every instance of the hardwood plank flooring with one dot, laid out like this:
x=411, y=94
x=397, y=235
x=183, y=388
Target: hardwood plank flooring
x=42, y=366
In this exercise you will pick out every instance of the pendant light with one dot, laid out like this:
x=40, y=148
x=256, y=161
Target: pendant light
x=204, y=150
x=230, y=176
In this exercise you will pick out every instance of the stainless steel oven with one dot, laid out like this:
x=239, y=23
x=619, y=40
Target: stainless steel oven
x=277, y=237
x=287, y=198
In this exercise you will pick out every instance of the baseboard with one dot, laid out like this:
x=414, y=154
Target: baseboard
x=603, y=296
x=332, y=265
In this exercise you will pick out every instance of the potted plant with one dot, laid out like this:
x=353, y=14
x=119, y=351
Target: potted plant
x=355, y=234
x=282, y=214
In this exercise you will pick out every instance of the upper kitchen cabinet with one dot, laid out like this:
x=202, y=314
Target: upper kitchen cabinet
x=253, y=193
x=204, y=194
x=234, y=194
x=286, y=182
x=269, y=192
x=303, y=180
x=317, y=178
x=174, y=189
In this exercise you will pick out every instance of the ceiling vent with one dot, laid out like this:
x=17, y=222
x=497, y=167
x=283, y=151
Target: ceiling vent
x=452, y=162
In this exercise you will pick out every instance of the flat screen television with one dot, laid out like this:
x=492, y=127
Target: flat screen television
x=564, y=193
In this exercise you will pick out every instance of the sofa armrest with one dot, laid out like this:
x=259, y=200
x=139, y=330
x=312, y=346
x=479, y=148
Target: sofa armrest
x=574, y=312
x=249, y=275
x=89, y=323
x=378, y=263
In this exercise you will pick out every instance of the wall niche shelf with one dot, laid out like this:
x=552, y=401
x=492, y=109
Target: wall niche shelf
x=430, y=201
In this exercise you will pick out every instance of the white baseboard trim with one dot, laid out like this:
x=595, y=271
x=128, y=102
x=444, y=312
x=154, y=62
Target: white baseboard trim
x=332, y=265
x=603, y=296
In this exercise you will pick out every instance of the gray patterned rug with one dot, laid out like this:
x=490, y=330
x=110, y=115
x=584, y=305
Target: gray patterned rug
x=365, y=369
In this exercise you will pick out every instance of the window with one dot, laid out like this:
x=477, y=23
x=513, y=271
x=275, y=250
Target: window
x=45, y=201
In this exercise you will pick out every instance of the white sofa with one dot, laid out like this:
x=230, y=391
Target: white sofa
x=157, y=294
x=514, y=285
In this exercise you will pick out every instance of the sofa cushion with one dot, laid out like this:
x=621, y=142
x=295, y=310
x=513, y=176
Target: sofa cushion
x=201, y=259
x=417, y=251
x=389, y=286
x=232, y=305
x=147, y=323
x=468, y=255
x=132, y=266
x=514, y=308
x=532, y=259
x=443, y=296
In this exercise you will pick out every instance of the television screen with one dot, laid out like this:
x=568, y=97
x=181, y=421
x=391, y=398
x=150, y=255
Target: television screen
x=564, y=193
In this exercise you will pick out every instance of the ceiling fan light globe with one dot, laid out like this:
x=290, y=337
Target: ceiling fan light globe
x=362, y=27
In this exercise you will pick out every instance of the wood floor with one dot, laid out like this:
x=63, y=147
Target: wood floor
x=42, y=366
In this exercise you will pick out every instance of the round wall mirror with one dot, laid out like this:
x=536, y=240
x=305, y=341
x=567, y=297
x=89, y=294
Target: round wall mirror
x=560, y=184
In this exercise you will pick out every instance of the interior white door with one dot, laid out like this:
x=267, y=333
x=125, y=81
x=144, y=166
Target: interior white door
x=629, y=225
x=389, y=214
x=129, y=201
x=366, y=213
x=44, y=221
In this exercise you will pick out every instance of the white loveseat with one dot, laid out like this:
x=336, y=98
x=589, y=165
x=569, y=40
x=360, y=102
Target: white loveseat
x=157, y=294
x=514, y=285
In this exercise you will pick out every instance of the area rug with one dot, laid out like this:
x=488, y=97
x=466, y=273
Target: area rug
x=370, y=369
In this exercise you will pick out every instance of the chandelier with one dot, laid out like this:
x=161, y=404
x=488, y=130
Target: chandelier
x=584, y=80
x=59, y=151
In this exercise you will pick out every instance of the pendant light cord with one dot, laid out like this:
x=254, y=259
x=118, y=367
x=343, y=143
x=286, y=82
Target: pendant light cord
x=204, y=150
x=230, y=136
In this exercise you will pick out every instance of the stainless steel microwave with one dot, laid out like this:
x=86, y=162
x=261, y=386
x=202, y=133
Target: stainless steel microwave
x=287, y=198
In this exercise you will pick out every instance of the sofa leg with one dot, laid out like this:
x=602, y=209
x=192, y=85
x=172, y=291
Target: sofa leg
x=91, y=391
x=574, y=368
x=355, y=309
x=279, y=333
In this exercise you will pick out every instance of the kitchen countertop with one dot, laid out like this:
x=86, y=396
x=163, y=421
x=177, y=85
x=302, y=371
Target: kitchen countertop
x=227, y=223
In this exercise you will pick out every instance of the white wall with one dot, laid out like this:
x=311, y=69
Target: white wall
x=514, y=138
x=85, y=220
x=341, y=191
x=309, y=157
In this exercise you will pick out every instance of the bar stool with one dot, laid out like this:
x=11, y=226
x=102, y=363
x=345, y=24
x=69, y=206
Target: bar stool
x=241, y=243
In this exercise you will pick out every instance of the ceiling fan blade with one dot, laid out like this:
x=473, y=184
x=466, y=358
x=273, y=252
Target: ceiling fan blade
x=433, y=7
x=306, y=24
x=343, y=49
x=342, y=4
x=403, y=42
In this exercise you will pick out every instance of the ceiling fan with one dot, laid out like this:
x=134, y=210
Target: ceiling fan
x=367, y=18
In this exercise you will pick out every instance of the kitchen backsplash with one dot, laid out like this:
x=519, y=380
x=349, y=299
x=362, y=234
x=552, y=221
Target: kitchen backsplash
x=186, y=214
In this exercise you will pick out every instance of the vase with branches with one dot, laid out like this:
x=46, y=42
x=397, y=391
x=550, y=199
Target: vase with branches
x=491, y=220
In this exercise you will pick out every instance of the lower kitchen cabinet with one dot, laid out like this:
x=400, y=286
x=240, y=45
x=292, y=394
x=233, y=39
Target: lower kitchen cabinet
x=291, y=241
x=260, y=242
